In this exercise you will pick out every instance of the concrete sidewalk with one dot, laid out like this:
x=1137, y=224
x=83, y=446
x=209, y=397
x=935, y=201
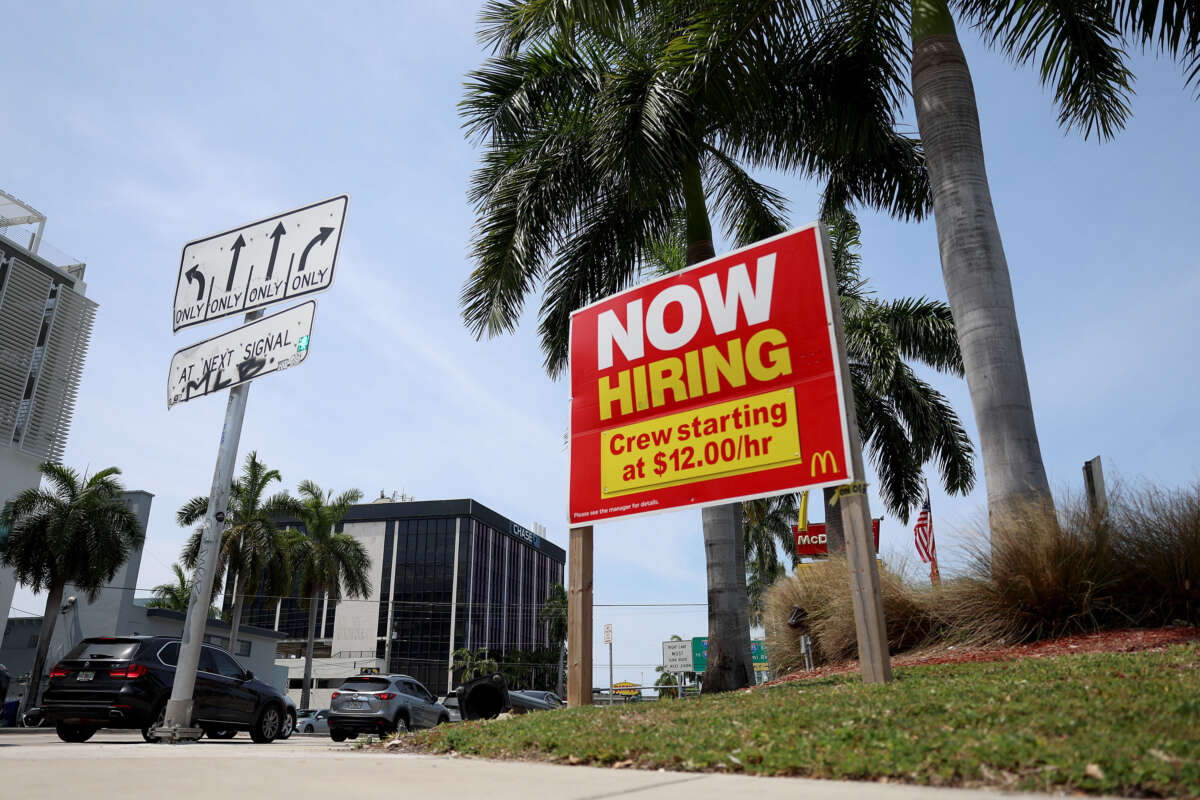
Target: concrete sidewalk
x=305, y=767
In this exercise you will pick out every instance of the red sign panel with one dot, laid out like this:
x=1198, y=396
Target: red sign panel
x=717, y=383
x=813, y=542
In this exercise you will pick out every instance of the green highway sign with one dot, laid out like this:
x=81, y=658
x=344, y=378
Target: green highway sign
x=758, y=654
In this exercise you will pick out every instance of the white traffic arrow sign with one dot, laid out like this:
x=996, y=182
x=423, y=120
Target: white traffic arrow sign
x=257, y=348
x=265, y=262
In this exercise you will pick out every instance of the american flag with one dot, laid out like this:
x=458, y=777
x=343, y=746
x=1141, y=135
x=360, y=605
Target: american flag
x=923, y=533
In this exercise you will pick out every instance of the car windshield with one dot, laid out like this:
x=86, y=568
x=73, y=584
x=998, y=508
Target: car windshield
x=110, y=649
x=303, y=714
x=365, y=684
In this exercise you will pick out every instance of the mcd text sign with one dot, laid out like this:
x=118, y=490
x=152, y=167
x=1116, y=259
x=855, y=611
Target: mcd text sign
x=717, y=383
x=814, y=542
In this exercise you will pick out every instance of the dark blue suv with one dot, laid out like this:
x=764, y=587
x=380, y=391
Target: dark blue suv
x=125, y=682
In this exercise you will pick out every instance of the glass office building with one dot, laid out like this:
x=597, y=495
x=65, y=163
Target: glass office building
x=446, y=574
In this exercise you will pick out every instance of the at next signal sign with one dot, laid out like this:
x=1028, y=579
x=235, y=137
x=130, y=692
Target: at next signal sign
x=717, y=383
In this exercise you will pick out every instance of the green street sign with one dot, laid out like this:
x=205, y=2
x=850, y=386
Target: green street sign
x=758, y=654
x=699, y=653
x=302, y=345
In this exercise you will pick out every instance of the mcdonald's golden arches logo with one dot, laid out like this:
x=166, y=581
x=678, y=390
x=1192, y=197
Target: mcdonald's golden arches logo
x=826, y=458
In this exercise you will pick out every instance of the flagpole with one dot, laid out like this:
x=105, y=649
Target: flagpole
x=935, y=577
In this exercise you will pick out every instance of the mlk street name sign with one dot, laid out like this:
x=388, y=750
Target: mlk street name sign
x=258, y=348
x=252, y=266
x=718, y=383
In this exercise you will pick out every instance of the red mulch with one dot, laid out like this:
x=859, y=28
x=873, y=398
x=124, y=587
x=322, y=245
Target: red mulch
x=1126, y=640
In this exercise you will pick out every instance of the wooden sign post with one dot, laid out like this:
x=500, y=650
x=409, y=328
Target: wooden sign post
x=579, y=619
x=874, y=661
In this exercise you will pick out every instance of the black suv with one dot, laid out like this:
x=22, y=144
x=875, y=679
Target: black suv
x=125, y=682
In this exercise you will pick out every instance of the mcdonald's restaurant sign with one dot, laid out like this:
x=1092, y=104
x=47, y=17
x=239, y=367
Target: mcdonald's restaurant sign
x=812, y=540
x=718, y=383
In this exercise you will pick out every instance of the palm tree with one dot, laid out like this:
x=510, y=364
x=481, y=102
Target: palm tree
x=768, y=524
x=253, y=552
x=973, y=263
x=79, y=531
x=599, y=138
x=173, y=596
x=668, y=687
x=1079, y=49
x=904, y=422
x=759, y=577
x=473, y=664
x=554, y=616
x=1173, y=27
x=176, y=596
x=325, y=562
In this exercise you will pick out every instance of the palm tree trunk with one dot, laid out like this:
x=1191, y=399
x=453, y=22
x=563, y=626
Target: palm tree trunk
x=49, y=618
x=973, y=264
x=835, y=531
x=308, y=650
x=729, y=664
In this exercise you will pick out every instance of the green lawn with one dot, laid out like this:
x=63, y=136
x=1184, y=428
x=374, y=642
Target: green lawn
x=1122, y=724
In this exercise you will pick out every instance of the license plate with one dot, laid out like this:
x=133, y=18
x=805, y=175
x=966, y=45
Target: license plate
x=353, y=706
x=85, y=676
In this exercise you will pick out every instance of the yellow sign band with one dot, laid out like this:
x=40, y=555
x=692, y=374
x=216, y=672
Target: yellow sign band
x=731, y=438
x=848, y=490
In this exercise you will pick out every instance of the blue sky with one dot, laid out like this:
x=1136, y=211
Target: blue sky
x=139, y=126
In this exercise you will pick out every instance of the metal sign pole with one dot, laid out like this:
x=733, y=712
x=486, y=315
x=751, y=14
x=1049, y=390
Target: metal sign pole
x=610, y=673
x=177, y=723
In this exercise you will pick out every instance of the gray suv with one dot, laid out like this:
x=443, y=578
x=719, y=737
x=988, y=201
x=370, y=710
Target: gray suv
x=382, y=704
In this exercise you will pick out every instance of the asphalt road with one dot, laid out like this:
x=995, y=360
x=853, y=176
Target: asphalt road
x=119, y=765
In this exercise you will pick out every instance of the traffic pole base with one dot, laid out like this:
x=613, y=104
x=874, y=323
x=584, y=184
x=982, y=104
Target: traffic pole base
x=178, y=735
x=172, y=731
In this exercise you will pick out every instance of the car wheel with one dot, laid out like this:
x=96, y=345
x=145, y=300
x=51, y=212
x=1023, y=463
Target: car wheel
x=75, y=733
x=337, y=735
x=308, y=729
x=160, y=717
x=443, y=720
x=268, y=725
x=400, y=725
x=289, y=725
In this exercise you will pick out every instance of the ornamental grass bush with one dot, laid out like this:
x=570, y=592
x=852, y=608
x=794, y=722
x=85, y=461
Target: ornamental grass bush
x=822, y=589
x=1158, y=547
x=1036, y=574
x=1043, y=574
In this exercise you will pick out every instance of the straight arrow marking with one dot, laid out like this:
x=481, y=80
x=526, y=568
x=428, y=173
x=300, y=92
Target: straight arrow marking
x=237, y=250
x=276, y=235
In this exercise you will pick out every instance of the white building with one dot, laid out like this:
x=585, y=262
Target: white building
x=45, y=325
